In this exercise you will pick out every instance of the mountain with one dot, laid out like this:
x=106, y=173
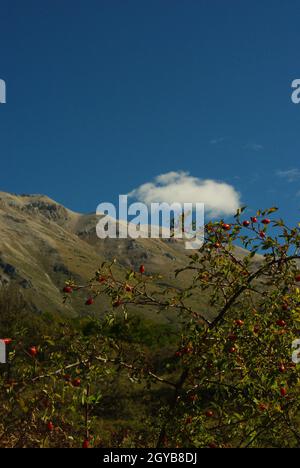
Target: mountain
x=42, y=244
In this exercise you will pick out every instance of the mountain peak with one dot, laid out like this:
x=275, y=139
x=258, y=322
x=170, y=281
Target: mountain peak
x=35, y=204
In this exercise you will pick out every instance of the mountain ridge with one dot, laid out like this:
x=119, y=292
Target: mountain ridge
x=42, y=244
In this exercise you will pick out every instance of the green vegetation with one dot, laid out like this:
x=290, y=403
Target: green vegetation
x=160, y=367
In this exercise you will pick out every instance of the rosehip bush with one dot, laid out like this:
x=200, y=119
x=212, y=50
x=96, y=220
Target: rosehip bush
x=227, y=379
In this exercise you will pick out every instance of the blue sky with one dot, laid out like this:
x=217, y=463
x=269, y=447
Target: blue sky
x=104, y=96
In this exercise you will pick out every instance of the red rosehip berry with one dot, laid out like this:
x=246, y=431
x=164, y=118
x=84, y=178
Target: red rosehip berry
x=7, y=341
x=89, y=301
x=239, y=323
x=281, y=323
x=76, y=382
x=246, y=224
x=254, y=219
x=142, y=269
x=86, y=444
x=232, y=337
x=101, y=279
x=226, y=227
x=33, y=351
x=266, y=221
x=283, y=392
x=67, y=290
x=50, y=426
x=209, y=414
x=212, y=445
x=282, y=369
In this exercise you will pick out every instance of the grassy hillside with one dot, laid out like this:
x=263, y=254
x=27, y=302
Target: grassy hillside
x=43, y=244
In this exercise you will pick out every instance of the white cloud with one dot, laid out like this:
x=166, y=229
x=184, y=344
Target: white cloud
x=219, y=198
x=291, y=174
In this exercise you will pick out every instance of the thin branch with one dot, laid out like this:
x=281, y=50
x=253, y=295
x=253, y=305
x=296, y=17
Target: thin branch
x=105, y=361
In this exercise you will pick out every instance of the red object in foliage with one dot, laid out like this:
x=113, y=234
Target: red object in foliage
x=33, y=351
x=283, y=391
x=226, y=227
x=262, y=407
x=101, y=279
x=142, y=269
x=266, y=221
x=89, y=301
x=193, y=397
x=209, y=414
x=76, y=383
x=86, y=444
x=282, y=369
x=212, y=445
x=7, y=341
x=281, y=323
x=297, y=278
x=254, y=220
x=239, y=323
x=118, y=303
x=68, y=290
x=50, y=426
x=232, y=337
x=246, y=223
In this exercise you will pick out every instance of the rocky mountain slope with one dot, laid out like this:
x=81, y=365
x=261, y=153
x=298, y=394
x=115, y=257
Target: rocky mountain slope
x=42, y=244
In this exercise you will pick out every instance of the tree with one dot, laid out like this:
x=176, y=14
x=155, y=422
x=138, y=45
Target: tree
x=231, y=380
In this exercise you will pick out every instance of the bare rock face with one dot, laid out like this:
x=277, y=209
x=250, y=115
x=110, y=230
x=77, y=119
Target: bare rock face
x=51, y=211
x=10, y=273
x=8, y=269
